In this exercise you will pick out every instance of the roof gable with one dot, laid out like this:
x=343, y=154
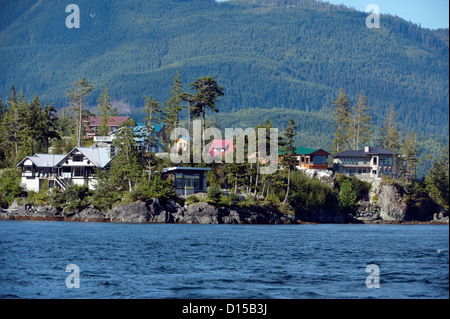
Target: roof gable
x=43, y=160
x=98, y=156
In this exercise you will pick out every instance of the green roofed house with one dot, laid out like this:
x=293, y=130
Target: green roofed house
x=311, y=158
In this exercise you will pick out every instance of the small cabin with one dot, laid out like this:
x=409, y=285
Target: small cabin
x=187, y=180
x=312, y=158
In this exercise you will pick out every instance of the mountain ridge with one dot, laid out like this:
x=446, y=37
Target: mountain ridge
x=265, y=53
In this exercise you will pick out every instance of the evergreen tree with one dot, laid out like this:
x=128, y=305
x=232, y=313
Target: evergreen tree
x=126, y=168
x=14, y=122
x=36, y=125
x=105, y=110
x=437, y=181
x=288, y=151
x=12, y=96
x=342, y=113
x=2, y=109
x=392, y=139
x=173, y=106
x=207, y=92
x=51, y=120
x=360, y=127
x=77, y=99
x=411, y=153
x=154, y=114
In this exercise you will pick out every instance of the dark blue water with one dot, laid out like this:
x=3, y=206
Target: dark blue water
x=222, y=261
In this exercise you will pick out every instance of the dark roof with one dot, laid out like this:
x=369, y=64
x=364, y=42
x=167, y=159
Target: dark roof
x=362, y=153
x=304, y=151
x=113, y=121
x=307, y=150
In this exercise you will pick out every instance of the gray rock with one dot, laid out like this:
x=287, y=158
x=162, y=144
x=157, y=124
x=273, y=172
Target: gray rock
x=392, y=206
x=136, y=212
x=89, y=215
x=201, y=213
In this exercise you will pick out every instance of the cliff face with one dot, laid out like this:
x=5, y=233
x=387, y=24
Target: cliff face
x=392, y=205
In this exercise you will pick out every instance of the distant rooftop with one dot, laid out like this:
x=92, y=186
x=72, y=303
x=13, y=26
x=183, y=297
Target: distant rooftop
x=366, y=151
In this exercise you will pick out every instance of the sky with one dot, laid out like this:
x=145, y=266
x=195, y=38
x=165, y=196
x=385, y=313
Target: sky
x=432, y=14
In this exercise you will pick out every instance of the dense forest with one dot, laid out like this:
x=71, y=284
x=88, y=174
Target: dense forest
x=267, y=54
x=276, y=59
x=135, y=174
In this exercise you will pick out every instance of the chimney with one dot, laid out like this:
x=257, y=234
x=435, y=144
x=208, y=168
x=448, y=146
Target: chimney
x=366, y=149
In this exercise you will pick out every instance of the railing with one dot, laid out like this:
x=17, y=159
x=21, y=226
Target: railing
x=66, y=175
x=103, y=138
x=61, y=183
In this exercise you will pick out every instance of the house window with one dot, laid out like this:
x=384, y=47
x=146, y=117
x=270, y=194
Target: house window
x=320, y=159
x=375, y=161
x=303, y=160
x=77, y=158
x=78, y=172
x=178, y=180
x=192, y=181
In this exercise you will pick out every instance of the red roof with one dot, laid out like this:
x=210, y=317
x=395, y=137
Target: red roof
x=114, y=121
x=226, y=145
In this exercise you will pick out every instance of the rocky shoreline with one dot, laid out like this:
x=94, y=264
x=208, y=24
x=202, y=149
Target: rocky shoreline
x=202, y=213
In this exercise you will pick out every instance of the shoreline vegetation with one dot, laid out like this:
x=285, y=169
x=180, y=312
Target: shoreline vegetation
x=237, y=193
x=386, y=203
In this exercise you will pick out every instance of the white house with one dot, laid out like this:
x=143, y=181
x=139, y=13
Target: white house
x=369, y=163
x=37, y=168
x=77, y=167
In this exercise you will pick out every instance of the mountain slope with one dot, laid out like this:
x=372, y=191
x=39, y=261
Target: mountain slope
x=266, y=53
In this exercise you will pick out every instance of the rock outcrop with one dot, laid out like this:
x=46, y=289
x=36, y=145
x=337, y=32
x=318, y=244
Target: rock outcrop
x=389, y=209
x=391, y=203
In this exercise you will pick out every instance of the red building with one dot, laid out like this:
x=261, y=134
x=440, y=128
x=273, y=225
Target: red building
x=221, y=147
x=93, y=123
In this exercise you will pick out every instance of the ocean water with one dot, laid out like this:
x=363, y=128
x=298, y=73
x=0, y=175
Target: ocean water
x=222, y=261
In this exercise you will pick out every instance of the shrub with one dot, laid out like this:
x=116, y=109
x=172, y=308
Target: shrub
x=273, y=199
x=192, y=199
x=348, y=197
x=234, y=199
x=214, y=194
x=310, y=194
x=10, y=187
x=73, y=199
x=158, y=188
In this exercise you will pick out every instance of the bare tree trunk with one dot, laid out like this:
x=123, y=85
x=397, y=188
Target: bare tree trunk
x=288, y=186
x=80, y=122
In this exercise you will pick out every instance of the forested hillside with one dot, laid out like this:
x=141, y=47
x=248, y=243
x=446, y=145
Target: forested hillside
x=267, y=54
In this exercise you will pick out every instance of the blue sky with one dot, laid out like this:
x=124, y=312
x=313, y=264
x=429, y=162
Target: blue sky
x=432, y=14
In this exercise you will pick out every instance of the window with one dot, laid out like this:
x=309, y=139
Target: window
x=192, y=181
x=178, y=180
x=78, y=172
x=77, y=158
x=375, y=161
x=320, y=159
x=303, y=160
